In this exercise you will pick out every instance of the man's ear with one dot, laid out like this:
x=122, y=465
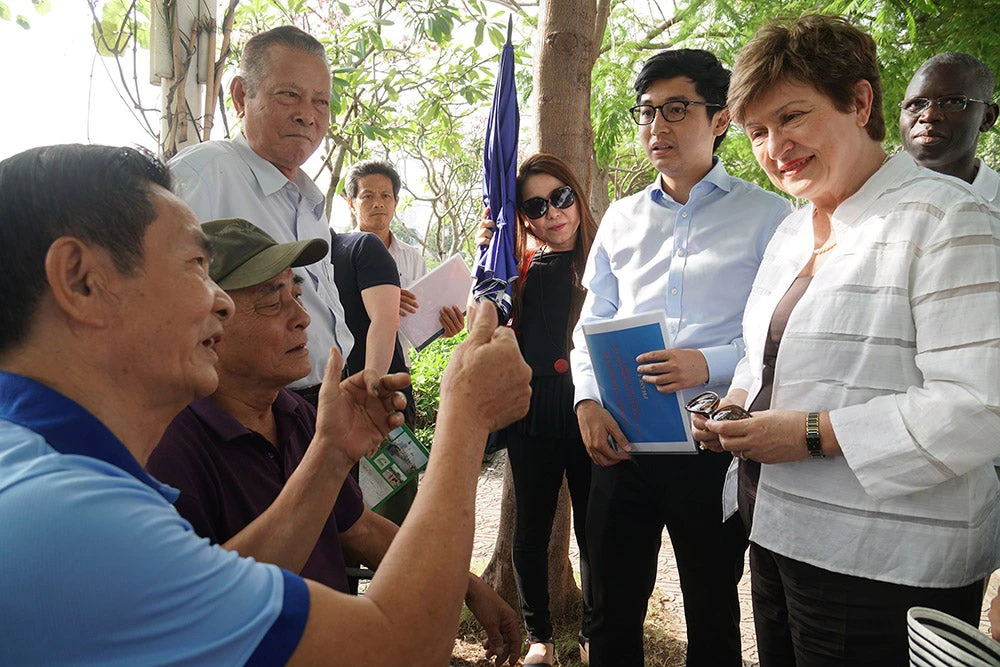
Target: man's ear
x=721, y=122
x=350, y=205
x=989, y=117
x=84, y=282
x=238, y=92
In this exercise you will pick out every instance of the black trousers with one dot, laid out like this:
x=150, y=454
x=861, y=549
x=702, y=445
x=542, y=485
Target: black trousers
x=630, y=503
x=537, y=466
x=806, y=616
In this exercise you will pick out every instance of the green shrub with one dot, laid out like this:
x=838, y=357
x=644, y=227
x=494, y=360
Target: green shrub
x=426, y=369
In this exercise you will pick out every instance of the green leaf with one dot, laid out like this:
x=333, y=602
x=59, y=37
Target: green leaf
x=22, y=21
x=114, y=33
x=4, y=11
x=336, y=100
x=43, y=7
x=107, y=41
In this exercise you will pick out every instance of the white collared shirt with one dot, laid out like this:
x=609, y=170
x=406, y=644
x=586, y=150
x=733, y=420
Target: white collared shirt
x=898, y=337
x=987, y=184
x=411, y=265
x=227, y=179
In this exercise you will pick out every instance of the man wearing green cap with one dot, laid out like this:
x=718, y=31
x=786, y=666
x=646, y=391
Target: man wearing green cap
x=252, y=474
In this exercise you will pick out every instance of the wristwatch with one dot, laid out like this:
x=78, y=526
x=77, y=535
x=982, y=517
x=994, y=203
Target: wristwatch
x=812, y=435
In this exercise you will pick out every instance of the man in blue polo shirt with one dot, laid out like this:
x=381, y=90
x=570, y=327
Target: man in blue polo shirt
x=108, y=329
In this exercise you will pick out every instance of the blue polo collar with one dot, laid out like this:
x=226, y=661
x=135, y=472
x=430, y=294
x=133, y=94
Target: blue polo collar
x=68, y=427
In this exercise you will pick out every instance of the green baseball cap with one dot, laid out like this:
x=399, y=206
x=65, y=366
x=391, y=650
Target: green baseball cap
x=244, y=255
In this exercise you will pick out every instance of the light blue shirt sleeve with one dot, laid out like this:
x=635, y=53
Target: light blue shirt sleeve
x=197, y=191
x=99, y=568
x=601, y=303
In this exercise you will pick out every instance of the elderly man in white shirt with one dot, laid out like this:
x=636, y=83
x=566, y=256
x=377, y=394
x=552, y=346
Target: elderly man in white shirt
x=283, y=96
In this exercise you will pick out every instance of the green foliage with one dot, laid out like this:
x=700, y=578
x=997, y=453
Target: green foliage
x=907, y=32
x=427, y=367
x=121, y=22
x=41, y=7
x=412, y=82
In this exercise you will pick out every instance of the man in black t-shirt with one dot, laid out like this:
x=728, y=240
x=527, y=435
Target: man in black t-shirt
x=368, y=283
x=371, y=305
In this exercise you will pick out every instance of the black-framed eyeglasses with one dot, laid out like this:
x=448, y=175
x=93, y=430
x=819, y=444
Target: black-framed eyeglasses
x=673, y=111
x=706, y=404
x=536, y=207
x=946, y=104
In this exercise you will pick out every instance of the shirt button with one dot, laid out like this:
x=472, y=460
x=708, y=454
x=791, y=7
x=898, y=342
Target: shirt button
x=673, y=291
x=684, y=214
x=673, y=328
x=680, y=252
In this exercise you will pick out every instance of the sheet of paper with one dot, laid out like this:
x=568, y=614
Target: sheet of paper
x=652, y=422
x=447, y=285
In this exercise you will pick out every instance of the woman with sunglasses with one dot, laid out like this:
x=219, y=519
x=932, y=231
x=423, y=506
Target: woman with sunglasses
x=871, y=365
x=554, y=231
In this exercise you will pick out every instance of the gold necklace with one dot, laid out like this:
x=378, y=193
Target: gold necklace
x=824, y=249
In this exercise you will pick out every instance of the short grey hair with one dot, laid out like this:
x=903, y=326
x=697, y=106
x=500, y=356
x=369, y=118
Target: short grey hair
x=982, y=76
x=254, y=63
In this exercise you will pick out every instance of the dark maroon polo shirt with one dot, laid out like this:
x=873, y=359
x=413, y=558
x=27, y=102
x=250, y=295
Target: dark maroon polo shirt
x=228, y=475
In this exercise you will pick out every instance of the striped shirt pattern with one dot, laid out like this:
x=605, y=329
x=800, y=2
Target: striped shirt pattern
x=898, y=337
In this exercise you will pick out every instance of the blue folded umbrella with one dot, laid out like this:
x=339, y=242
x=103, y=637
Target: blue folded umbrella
x=496, y=269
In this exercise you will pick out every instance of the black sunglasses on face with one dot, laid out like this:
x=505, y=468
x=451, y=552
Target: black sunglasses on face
x=561, y=198
x=948, y=104
x=706, y=404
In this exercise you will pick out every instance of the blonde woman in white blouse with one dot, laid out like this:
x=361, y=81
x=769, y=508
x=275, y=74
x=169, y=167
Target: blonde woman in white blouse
x=876, y=491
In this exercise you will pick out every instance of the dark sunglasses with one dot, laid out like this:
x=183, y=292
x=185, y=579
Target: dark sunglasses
x=536, y=207
x=706, y=404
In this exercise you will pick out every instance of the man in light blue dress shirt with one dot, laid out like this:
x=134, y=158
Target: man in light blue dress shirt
x=689, y=244
x=283, y=97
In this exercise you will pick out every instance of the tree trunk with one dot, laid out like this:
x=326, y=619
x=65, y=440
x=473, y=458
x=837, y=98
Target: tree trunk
x=566, y=50
x=600, y=197
x=568, y=41
x=499, y=572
